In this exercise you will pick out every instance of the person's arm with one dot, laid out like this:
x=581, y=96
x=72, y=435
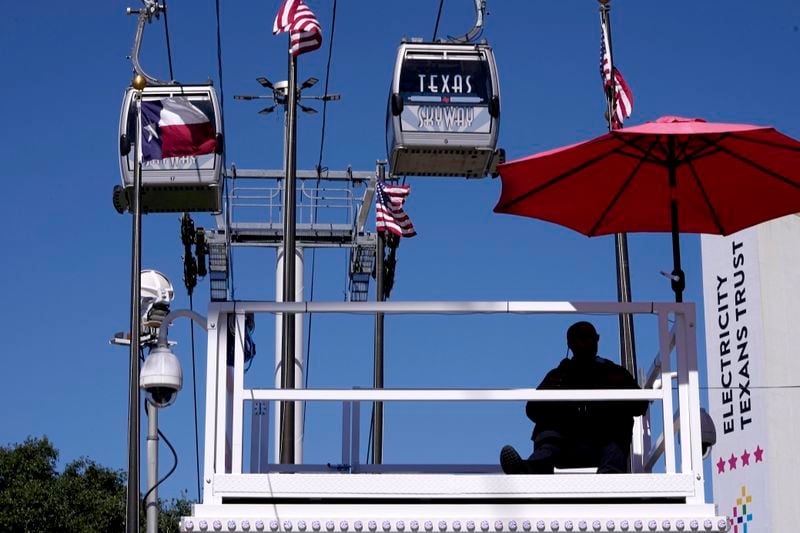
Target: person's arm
x=539, y=411
x=622, y=379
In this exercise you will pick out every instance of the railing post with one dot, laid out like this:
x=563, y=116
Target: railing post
x=355, y=441
x=689, y=360
x=666, y=389
x=237, y=410
x=221, y=441
x=212, y=441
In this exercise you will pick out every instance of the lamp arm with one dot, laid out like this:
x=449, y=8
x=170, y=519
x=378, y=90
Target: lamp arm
x=170, y=318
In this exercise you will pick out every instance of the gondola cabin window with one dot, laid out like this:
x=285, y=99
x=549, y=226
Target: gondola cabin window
x=189, y=162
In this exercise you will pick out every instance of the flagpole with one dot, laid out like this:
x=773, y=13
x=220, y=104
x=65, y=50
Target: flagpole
x=377, y=414
x=132, y=506
x=626, y=334
x=289, y=247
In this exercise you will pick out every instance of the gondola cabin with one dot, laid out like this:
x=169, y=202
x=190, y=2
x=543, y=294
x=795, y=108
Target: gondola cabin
x=182, y=147
x=444, y=111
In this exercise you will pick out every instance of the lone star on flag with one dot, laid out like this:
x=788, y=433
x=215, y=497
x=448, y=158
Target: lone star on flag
x=720, y=466
x=151, y=132
x=732, y=462
x=745, y=458
x=759, y=453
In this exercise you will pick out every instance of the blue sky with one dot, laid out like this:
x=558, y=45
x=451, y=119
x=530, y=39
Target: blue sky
x=66, y=252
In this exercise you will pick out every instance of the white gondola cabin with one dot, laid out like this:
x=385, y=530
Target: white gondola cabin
x=444, y=111
x=173, y=183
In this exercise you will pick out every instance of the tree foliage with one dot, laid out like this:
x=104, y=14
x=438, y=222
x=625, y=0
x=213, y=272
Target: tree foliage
x=85, y=497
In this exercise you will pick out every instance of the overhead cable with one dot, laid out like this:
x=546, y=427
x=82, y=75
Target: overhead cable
x=169, y=46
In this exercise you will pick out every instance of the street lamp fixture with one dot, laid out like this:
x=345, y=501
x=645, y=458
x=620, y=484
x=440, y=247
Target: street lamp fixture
x=280, y=91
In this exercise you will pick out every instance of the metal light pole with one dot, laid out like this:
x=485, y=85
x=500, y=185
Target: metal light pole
x=132, y=505
x=626, y=338
x=287, y=94
x=289, y=247
x=151, y=503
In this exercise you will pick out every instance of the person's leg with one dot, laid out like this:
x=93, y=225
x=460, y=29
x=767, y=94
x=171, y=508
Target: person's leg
x=542, y=460
x=546, y=454
x=613, y=458
x=547, y=451
x=511, y=462
x=579, y=453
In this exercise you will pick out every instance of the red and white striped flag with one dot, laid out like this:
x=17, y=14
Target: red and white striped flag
x=389, y=214
x=304, y=30
x=623, y=97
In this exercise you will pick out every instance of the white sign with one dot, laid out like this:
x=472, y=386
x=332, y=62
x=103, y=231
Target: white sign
x=735, y=360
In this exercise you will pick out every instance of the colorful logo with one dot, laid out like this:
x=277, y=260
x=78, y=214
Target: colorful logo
x=742, y=513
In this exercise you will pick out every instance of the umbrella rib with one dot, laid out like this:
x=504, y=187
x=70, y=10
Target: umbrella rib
x=706, y=199
x=680, y=154
x=711, y=147
x=555, y=180
x=765, y=143
x=645, y=156
x=762, y=168
x=641, y=156
x=642, y=153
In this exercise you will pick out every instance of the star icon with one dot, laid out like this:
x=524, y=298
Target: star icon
x=720, y=466
x=732, y=462
x=151, y=132
x=745, y=457
x=759, y=453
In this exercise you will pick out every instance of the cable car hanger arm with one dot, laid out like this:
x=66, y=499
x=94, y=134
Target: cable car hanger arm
x=151, y=8
x=480, y=12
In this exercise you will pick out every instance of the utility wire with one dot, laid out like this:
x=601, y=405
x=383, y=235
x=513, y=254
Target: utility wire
x=194, y=391
x=754, y=387
x=219, y=73
x=171, y=470
x=319, y=176
x=169, y=47
x=327, y=80
x=438, y=17
x=229, y=252
x=172, y=449
x=369, y=440
x=751, y=387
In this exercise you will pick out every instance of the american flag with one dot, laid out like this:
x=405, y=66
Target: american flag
x=295, y=17
x=623, y=98
x=389, y=214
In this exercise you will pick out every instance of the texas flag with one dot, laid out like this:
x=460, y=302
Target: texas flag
x=175, y=127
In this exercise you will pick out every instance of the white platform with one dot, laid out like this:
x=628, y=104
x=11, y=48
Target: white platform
x=388, y=498
x=339, y=503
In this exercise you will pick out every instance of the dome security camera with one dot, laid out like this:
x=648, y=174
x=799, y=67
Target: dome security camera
x=708, y=433
x=161, y=377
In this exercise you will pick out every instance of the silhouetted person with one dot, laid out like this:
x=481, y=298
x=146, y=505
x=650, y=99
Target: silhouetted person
x=580, y=434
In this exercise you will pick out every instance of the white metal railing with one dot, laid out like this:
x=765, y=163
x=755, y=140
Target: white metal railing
x=337, y=205
x=226, y=394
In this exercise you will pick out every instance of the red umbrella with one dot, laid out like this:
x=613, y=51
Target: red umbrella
x=674, y=174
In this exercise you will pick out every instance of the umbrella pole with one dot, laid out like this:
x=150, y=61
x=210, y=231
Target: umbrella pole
x=678, y=277
x=626, y=339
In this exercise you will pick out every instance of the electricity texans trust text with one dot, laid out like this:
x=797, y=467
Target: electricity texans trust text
x=734, y=357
